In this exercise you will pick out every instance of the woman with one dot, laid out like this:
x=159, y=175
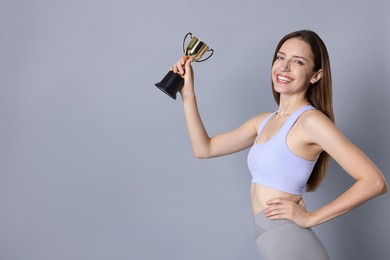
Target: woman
x=290, y=149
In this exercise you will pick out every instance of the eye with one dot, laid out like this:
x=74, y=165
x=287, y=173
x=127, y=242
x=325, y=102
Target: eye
x=279, y=57
x=299, y=62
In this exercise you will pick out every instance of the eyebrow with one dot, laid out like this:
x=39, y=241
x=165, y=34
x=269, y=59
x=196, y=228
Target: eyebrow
x=295, y=56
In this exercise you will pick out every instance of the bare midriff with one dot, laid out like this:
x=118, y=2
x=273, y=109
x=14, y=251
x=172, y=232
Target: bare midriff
x=260, y=194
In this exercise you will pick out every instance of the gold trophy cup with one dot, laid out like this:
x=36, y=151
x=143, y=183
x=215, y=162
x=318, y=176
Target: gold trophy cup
x=172, y=82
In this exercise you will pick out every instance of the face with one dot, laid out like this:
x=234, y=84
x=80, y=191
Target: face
x=293, y=69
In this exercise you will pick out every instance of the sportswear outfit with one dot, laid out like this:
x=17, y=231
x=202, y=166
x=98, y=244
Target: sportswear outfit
x=274, y=165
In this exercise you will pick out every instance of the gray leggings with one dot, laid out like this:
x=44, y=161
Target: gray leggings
x=285, y=240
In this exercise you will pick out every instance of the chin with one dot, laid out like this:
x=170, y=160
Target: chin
x=279, y=90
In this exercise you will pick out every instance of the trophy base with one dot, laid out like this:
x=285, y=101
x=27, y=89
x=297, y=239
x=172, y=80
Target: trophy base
x=171, y=84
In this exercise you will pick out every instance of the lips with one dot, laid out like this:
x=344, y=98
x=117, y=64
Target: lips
x=283, y=79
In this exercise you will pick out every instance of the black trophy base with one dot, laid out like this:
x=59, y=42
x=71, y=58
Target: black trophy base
x=171, y=84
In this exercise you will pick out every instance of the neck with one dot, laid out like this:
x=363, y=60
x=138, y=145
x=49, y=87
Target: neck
x=288, y=106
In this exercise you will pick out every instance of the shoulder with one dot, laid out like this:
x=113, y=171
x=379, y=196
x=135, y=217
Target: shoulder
x=259, y=118
x=319, y=129
x=313, y=119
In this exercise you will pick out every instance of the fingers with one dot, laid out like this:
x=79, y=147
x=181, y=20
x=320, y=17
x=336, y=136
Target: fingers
x=183, y=64
x=280, y=208
x=276, y=209
x=187, y=61
x=277, y=201
x=302, y=203
x=273, y=211
x=179, y=66
x=277, y=215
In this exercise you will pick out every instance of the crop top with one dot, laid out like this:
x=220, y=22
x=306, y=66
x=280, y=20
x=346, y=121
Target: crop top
x=274, y=165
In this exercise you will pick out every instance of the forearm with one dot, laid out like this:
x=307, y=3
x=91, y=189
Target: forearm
x=199, y=138
x=356, y=195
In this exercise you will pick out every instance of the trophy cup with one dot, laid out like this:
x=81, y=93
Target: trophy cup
x=172, y=82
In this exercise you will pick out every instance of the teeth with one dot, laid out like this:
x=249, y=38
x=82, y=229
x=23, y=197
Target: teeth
x=281, y=78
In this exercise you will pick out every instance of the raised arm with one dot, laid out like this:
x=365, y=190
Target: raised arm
x=204, y=146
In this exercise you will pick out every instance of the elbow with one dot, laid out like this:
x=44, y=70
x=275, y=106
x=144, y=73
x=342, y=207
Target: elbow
x=379, y=186
x=200, y=155
x=383, y=187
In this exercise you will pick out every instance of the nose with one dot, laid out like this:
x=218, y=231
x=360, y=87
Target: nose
x=285, y=65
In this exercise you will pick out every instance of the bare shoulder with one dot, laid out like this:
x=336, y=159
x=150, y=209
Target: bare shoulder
x=314, y=119
x=319, y=129
x=259, y=118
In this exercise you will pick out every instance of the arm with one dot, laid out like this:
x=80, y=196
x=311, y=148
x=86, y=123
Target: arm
x=369, y=181
x=204, y=146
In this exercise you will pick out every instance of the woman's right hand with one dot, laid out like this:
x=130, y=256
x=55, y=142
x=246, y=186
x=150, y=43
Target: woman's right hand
x=184, y=68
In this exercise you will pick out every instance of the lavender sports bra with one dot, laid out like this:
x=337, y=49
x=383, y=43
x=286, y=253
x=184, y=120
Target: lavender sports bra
x=274, y=165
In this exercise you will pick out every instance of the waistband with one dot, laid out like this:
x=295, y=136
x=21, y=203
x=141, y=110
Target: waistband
x=263, y=224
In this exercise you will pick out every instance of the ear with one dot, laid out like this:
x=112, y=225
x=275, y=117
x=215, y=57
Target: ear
x=316, y=77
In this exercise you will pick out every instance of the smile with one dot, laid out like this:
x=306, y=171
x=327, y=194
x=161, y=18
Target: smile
x=284, y=79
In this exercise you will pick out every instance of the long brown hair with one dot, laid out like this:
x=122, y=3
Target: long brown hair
x=319, y=94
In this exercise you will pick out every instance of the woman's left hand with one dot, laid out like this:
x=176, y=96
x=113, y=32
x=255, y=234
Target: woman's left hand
x=280, y=208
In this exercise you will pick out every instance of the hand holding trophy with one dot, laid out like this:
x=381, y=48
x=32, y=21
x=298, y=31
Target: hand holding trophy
x=172, y=82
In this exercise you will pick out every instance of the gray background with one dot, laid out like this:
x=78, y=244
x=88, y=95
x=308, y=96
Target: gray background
x=96, y=162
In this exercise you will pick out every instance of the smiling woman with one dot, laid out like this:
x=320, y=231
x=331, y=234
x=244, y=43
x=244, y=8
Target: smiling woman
x=293, y=68
x=290, y=149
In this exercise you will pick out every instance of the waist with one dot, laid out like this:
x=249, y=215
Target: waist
x=261, y=194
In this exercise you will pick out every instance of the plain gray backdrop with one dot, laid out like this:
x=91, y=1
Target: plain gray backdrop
x=95, y=160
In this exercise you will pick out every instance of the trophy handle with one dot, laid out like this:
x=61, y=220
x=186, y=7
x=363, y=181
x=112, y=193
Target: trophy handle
x=212, y=52
x=184, y=41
